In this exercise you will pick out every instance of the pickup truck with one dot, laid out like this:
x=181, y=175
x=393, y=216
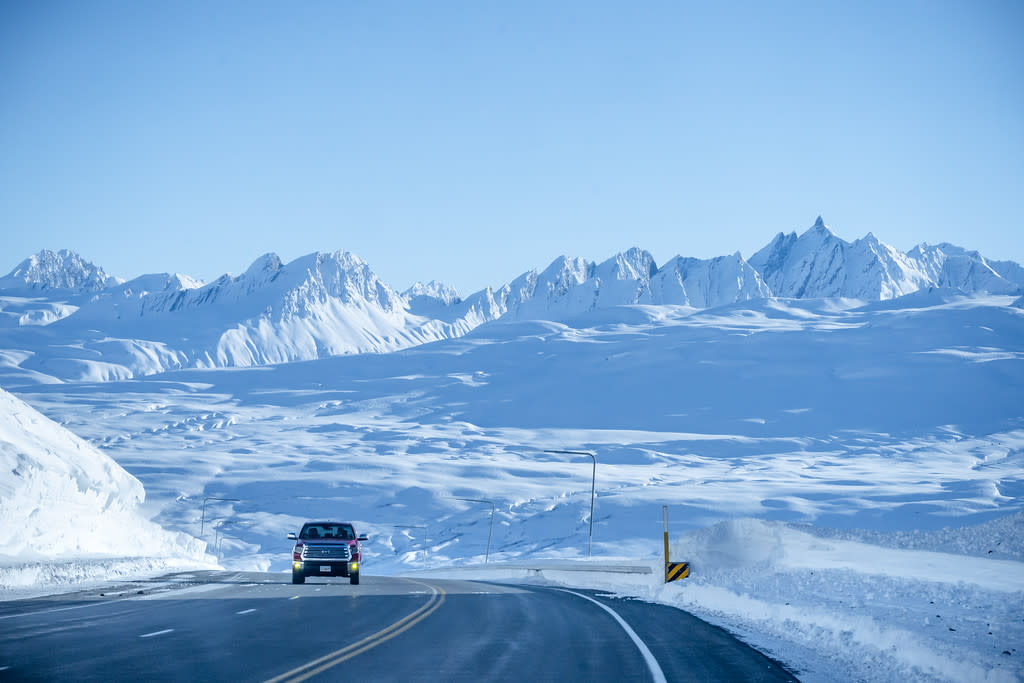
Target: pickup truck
x=326, y=549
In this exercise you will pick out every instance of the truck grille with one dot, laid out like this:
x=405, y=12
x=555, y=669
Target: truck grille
x=326, y=552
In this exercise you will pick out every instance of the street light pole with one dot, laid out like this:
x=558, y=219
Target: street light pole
x=491, y=531
x=217, y=538
x=593, y=487
x=202, y=524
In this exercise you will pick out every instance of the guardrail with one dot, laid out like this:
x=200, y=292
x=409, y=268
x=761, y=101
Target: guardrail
x=541, y=566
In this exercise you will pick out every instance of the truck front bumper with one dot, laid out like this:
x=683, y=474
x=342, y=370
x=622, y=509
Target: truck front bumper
x=324, y=568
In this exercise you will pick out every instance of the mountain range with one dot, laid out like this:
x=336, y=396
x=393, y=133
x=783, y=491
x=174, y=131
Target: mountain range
x=64, y=319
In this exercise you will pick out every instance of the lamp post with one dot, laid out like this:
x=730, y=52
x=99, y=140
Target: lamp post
x=491, y=531
x=593, y=485
x=217, y=527
x=202, y=524
x=216, y=536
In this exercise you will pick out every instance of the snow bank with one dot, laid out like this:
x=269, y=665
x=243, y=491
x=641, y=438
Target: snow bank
x=33, y=579
x=62, y=499
x=841, y=608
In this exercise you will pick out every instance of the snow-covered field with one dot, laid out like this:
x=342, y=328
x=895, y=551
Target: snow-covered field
x=847, y=480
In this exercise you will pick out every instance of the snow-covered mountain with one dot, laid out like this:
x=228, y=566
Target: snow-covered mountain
x=947, y=265
x=61, y=270
x=572, y=286
x=819, y=264
x=707, y=283
x=318, y=305
x=433, y=290
x=63, y=318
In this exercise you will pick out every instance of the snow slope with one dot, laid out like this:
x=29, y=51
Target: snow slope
x=855, y=461
x=64, y=504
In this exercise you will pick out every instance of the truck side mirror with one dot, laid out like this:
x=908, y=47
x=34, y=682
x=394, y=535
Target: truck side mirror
x=362, y=537
x=291, y=536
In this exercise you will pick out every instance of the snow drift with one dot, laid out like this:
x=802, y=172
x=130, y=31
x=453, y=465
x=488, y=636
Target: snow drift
x=865, y=605
x=63, y=500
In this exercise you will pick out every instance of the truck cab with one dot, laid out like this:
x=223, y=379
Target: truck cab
x=326, y=549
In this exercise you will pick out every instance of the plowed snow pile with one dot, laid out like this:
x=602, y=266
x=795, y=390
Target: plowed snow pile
x=857, y=608
x=68, y=512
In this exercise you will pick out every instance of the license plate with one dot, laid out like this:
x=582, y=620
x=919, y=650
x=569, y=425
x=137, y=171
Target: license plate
x=325, y=567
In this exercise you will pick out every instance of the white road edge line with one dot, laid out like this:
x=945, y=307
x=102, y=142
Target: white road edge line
x=246, y=611
x=652, y=663
x=156, y=633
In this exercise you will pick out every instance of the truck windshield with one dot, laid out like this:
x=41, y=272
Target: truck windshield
x=342, y=532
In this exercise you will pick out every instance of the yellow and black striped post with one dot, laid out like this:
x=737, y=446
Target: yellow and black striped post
x=676, y=570
x=673, y=570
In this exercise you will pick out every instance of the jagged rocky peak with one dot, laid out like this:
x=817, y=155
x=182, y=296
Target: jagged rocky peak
x=268, y=264
x=156, y=282
x=819, y=264
x=434, y=290
x=821, y=231
x=182, y=281
x=340, y=276
x=568, y=270
x=62, y=269
x=948, y=265
x=704, y=283
x=632, y=264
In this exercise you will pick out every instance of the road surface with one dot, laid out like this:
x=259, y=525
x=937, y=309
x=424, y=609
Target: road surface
x=247, y=626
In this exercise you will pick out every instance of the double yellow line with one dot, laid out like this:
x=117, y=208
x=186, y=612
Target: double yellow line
x=335, y=658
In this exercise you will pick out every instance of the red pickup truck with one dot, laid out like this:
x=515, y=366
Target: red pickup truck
x=326, y=549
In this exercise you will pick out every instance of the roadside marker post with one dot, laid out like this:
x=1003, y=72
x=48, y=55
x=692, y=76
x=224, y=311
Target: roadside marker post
x=673, y=570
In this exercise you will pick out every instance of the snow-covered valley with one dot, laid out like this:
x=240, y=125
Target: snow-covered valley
x=846, y=476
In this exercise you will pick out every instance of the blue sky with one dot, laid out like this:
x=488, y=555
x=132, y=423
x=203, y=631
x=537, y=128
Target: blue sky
x=471, y=141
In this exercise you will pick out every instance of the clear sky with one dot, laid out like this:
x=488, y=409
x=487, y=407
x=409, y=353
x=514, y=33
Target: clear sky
x=471, y=140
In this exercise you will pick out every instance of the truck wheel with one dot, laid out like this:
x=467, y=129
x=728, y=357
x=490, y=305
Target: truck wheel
x=354, y=578
x=298, y=577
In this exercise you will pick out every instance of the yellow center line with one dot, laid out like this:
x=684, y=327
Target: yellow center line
x=321, y=664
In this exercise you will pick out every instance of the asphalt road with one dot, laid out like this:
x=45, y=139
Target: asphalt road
x=219, y=626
